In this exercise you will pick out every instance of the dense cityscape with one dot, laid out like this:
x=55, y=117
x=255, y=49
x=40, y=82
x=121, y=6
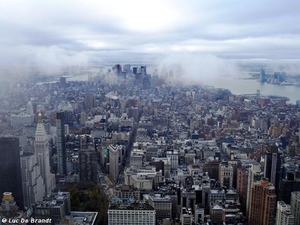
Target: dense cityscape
x=129, y=147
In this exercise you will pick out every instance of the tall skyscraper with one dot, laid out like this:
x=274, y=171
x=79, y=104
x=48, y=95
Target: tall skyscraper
x=255, y=174
x=10, y=169
x=32, y=180
x=60, y=144
x=295, y=206
x=284, y=214
x=287, y=186
x=262, y=203
x=41, y=147
x=272, y=168
x=262, y=75
x=88, y=167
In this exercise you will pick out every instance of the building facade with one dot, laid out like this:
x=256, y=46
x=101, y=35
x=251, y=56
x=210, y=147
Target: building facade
x=295, y=206
x=226, y=174
x=134, y=214
x=10, y=169
x=32, y=180
x=60, y=143
x=284, y=214
x=41, y=147
x=262, y=203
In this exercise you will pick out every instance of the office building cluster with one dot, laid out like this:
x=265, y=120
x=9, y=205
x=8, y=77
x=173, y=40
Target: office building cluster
x=163, y=153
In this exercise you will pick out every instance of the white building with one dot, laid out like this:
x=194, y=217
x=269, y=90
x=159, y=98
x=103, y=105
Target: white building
x=32, y=180
x=284, y=214
x=133, y=214
x=142, y=178
x=29, y=109
x=137, y=158
x=173, y=156
x=41, y=146
x=295, y=206
x=21, y=119
x=226, y=174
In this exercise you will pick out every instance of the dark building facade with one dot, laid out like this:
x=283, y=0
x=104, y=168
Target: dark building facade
x=88, y=165
x=10, y=169
x=272, y=168
x=287, y=186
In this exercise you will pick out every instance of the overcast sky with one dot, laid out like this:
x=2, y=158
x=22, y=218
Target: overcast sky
x=50, y=33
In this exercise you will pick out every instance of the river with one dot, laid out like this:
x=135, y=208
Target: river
x=237, y=85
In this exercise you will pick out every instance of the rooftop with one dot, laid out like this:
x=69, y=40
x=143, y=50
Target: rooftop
x=83, y=218
x=132, y=206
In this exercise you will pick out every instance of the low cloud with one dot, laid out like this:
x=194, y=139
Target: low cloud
x=24, y=61
x=195, y=69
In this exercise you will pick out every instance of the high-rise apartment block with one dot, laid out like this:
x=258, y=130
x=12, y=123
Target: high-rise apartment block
x=284, y=214
x=254, y=174
x=88, y=165
x=295, y=206
x=262, y=203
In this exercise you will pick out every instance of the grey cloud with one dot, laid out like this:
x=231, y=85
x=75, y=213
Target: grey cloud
x=76, y=33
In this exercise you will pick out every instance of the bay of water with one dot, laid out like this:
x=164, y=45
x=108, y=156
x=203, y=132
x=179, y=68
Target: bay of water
x=240, y=86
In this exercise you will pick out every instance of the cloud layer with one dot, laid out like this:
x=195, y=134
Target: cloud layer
x=53, y=35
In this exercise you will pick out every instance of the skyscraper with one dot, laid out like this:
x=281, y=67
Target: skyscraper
x=32, y=180
x=41, y=147
x=295, y=206
x=255, y=174
x=272, y=168
x=262, y=75
x=284, y=214
x=63, y=82
x=87, y=160
x=89, y=101
x=60, y=144
x=10, y=169
x=262, y=203
x=287, y=186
